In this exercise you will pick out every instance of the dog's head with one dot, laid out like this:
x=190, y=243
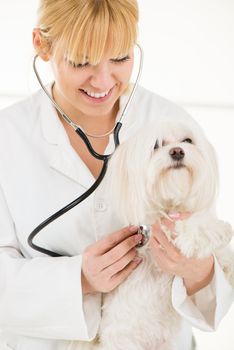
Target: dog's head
x=166, y=166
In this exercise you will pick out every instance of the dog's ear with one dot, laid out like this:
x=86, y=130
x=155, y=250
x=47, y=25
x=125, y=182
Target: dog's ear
x=211, y=185
x=126, y=182
x=205, y=191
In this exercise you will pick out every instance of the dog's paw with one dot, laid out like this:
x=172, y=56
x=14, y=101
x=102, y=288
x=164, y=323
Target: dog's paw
x=200, y=236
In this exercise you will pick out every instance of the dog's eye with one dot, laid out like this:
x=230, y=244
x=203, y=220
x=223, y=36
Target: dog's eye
x=156, y=146
x=188, y=140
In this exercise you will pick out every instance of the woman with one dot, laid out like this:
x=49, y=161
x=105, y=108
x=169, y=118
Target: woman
x=46, y=303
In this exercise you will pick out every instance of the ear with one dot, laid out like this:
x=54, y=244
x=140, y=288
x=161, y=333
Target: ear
x=126, y=182
x=41, y=45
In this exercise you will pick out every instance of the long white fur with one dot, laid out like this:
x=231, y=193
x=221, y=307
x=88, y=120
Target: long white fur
x=138, y=315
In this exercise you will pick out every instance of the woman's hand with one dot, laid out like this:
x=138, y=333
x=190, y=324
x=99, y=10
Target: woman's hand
x=108, y=262
x=196, y=273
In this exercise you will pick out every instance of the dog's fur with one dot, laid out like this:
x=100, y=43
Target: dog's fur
x=146, y=185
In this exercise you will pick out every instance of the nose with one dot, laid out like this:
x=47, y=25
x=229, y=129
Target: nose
x=102, y=76
x=177, y=153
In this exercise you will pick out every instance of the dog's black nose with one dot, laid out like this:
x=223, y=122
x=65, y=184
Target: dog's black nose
x=176, y=153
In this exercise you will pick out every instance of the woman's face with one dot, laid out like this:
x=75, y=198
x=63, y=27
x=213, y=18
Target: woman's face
x=88, y=90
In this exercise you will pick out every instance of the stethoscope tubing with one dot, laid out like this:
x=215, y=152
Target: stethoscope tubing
x=103, y=157
x=78, y=200
x=63, y=211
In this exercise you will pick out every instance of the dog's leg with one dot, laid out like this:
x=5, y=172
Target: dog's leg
x=202, y=235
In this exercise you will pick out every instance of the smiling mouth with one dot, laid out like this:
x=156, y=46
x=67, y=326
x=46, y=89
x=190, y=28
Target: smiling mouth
x=97, y=97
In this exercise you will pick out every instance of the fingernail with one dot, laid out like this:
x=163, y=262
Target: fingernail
x=137, y=260
x=174, y=235
x=133, y=228
x=174, y=215
x=138, y=237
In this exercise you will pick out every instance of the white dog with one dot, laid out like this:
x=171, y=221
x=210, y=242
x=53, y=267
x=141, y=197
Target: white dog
x=167, y=166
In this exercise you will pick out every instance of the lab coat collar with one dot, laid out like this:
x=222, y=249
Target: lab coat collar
x=127, y=121
x=52, y=128
x=62, y=156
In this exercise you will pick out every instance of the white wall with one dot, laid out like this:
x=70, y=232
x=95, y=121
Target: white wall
x=189, y=49
x=189, y=55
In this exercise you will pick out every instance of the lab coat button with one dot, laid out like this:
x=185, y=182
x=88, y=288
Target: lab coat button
x=100, y=205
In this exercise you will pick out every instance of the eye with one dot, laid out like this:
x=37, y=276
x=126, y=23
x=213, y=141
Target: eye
x=156, y=146
x=188, y=140
x=120, y=60
x=78, y=65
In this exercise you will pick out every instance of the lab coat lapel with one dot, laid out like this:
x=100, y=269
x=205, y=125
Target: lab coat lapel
x=62, y=156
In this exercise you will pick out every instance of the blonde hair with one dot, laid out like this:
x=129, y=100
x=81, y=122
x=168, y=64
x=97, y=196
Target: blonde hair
x=84, y=30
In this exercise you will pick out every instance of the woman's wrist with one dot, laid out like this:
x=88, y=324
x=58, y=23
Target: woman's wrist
x=193, y=286
x=86, y=286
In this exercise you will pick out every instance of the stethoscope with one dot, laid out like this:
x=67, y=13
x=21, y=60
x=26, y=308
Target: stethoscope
x=143, y=229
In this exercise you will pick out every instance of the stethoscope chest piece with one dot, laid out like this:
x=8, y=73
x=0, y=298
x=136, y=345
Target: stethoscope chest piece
x=145, y=230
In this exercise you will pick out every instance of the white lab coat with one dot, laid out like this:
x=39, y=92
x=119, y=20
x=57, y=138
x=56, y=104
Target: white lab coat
x=41, y=303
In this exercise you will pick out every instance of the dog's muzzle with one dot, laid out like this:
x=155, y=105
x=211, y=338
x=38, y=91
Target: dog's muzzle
x=145, y=231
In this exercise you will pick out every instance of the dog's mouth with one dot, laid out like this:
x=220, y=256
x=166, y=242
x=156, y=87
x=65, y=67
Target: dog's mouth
x=177, y=165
